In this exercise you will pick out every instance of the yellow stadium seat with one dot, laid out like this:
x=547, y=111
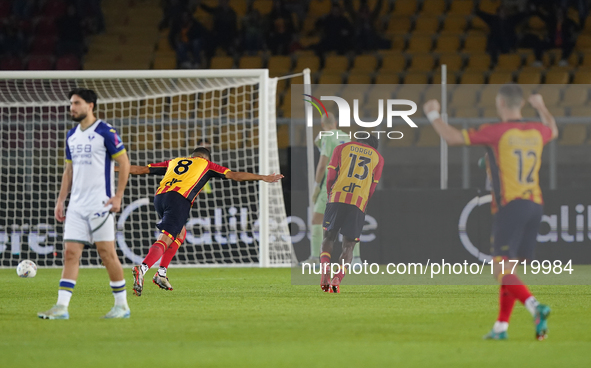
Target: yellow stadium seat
x=405, y=8
x=551, y=94
x=165, y=62
x=365, y=62
x=580, y=111
x=583, y=42
x=420, y=43
x=307, y=61
x=336, y=63
x=557, y=111
x=582, y=77
x=359, y=77
x=308, y=25
x=428, y=137
x=489, y=112
x=279, y=63
x=469, y=77
x=230, y=136
x=283, y=136
x=174, y=136
x=573, y=135
x=533, y=77
x=416, y=78
x=488, y=96
x=407, y=139
x=500, y=78
x=433, y=7
x=330, y=78
x=318, y=8
x=379, y=92
x=464, y=96
x=427, y=25
x=489, y=6
x=461, y=7
x=421, y=63
x=447, y=44
x=240, y=7
x=478, y=26
x=399, y=25
x=508, y=62
x=263, y=6
x=475, y=43
x=387, y=78
x=454, y=24
x=466, y=112
x=250, y=62
x=575, y=95
x=433, y=91
x=557, y=77
x=395, y=63
x=451, y=76
x=453, y=61
x=478, y=63
x=181, y=107
x=528, y=112
x=143, y=138
x=222, y=62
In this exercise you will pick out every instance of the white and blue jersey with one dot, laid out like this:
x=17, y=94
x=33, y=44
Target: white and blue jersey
x=91, y=152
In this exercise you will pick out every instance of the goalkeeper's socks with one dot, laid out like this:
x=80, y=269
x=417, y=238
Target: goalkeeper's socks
x=506, y=303
x=169, y=253
x=156, y=251
x=65, y=291
x=316, y=240
x=119, y=292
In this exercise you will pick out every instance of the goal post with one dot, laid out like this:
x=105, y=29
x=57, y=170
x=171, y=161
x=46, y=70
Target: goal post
x=159, y=115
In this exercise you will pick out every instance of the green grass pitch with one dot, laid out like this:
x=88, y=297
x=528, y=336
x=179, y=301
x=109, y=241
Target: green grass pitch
x=256, y=318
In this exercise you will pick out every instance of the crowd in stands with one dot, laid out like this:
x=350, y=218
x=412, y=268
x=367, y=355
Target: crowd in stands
x=46, y=34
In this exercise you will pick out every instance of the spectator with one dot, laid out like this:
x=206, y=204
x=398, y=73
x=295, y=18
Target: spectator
x=502, y=38
x=280, y=38
x=224, y=31
x=562, y=33
x=336, y=32
x=71, y=34
x=364, y=19
x=252, y=32
x=187, y=38
x=172, y=11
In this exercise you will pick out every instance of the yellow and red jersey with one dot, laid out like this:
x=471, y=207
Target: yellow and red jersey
x=186, y=175
x=514, y=158
x=353, y=173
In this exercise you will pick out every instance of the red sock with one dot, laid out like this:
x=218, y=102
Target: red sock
x=339, y=276
x=515, y=287
x=156, y=251
x=169, y=253
x=325, y=262
x=506, y=303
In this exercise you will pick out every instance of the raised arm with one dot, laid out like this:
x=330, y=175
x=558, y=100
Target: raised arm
x=450, y=134
x=245, y=176
x=537, y=103
x=60, y=206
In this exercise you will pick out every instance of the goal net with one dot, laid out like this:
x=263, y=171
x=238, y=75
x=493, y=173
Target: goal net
x=159, y=115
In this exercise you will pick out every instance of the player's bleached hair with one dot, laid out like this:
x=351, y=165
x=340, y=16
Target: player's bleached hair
x=329, y=119
x=372, y=141
x=201, y=151
x=512, y=94
x=87, y=95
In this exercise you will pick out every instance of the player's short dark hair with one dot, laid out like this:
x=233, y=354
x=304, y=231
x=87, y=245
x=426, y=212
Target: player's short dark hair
x=201, y=151
x=87, y=95
x=512, y=94
x=372, y=141
x=202, y=141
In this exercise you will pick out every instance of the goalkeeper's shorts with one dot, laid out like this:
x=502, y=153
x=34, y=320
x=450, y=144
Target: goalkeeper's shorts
x=346, y=218
x=173, y=210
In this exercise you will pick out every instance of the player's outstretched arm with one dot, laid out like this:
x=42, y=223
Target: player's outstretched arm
x=245, y=176
x=124, y=168
x=136, y=170
x=450, y=134
x=537, y=103
x=60, y=205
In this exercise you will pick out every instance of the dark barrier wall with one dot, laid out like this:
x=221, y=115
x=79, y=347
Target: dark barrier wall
x=417, y=225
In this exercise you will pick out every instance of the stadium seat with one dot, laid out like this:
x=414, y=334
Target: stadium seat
x=489, y=6
x=182, y=107
x=508, y=62
x=329, y=77
x=580, y=111
x=318, y=8
x=164, y=62
x=67, y=62
x=464, y=96
x=557, y=77
x=575, y=95
x=421, y=63
x=557, y=111
x=308, y=61
x=282, y=136
x=359, y=77
x=573, y=135
x=394, y=63
x=11, y=63
x=143, y=138
x=433, y=7
x=500, y=78
x=230, y=136
x=40, y=63
x=489, y=112
x=451, y=76
x=378, y=92
x=488, y=96
x=428, y=137
x=263, y=6
x=433, y=91
x=466, y=112
x=221, y=62
x=240, y=7
x=427, y=25
x=399, y=25
x=582, y=77
x=336, y=63
x=366, y=63
x=583, y=42
x=387, y=78
x=416, y=78
x=250, y=62
x=475, y=43
x=279, y=63
x=452, y=60
x=529, y=77
x=174, y=136
x=420, y=43
x=551, y=94
x=405, y=8
x=472, y=77
x=461, y=7
x=408, y=139
x=454, y=24
x=447, y=44
x=43, y=45
x=478, y=63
